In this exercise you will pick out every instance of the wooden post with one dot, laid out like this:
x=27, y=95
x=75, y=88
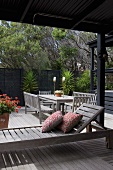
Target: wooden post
x=109, y=140
x=100, y=73
x=91, y=70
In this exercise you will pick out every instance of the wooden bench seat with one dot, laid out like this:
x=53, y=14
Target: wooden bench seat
x=33, y=101
x=31, y=137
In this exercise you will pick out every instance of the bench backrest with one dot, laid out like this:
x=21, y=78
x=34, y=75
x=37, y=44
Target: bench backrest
x=32, y=100
x=79, y=100
x=93, y=97
x=90, y=113
x=44, y=92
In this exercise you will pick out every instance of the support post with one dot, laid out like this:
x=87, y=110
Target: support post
x=100, y=73
x=91, y=70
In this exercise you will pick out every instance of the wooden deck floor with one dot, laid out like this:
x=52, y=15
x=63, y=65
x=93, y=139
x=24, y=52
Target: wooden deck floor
x=88, y=155
x=83, y=155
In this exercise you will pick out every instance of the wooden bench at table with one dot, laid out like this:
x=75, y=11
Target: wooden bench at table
x=31, y=137
x=81, y=98
x=33, y=101
x=93, y=97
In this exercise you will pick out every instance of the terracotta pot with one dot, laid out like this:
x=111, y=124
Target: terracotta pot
x=4, y=119
x=58, y=94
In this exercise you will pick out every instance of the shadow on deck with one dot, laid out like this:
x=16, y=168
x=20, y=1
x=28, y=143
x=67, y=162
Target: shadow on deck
x=87, y=155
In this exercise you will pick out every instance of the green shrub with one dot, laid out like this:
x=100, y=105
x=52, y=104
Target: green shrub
x=69, y=84
x=83, y=82
x=30, y=84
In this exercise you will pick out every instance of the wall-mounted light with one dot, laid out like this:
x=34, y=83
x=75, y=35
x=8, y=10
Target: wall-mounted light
x=54, y=81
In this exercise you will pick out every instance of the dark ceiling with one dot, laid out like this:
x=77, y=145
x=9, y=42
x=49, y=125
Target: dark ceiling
x=83, y=15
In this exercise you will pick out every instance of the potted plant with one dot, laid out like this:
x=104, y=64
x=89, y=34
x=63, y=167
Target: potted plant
x=58, y=93
x=7, y=105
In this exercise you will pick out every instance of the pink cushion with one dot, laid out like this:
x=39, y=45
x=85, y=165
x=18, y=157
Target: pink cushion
x=69, y=121
x=52, y=121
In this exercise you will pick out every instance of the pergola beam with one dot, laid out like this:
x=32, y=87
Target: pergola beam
x=85, y=13
x=26, y=10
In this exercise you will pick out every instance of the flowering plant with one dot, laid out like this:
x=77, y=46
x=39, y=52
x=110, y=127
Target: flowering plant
x=7, y=104
x=59, y=91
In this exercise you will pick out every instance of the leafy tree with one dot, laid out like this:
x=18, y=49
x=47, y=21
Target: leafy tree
x=27, y=46
x=68, y=57
x=19, y=47
x=59, y=34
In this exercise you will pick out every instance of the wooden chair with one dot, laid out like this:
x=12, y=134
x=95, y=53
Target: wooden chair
x=31, y=137
x=93, y=96
x=78, y=101
x=82, y=98
x=33, y=101
x=47, y=103
x=44, y=92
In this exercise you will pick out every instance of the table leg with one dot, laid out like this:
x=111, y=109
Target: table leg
x=57, y=106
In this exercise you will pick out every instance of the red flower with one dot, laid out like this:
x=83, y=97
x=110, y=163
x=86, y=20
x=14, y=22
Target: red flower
x=7, y=104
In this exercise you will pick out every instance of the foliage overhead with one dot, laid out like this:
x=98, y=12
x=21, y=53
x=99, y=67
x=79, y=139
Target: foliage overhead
x=19, y=47
x=27, y=46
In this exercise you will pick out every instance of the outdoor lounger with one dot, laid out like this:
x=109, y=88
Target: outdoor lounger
x=31, y=137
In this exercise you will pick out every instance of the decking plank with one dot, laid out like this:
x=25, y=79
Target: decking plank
x=40, y=159
x=45, y=159
x=23, y=161
x=52, y=162
x=12, y=162
x=34, y=160
x=6, y=161
x=94, y=161
x=57, y=158
x=2, y=164
x=28, y=160
x=17, y=161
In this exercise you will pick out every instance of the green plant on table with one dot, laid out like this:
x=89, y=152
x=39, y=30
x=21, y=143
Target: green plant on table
x=7, y=104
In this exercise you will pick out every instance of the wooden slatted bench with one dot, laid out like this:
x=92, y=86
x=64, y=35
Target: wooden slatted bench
x=33, y=101
x=31, y=137
x=81, y=98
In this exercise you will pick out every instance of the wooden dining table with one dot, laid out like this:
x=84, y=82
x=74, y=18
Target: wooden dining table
x=59, y=101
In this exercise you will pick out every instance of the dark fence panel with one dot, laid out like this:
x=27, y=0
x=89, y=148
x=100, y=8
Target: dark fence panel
x=11, y=81
x=45, y=80
x=109, y=101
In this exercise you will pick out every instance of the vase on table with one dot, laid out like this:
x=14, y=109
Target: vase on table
x=58, y=93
